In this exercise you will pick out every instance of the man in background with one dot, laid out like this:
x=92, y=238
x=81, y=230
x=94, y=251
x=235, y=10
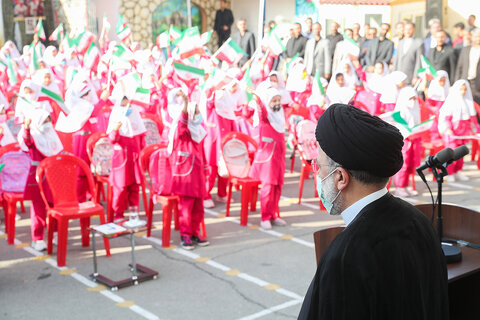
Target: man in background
x=317, y=54
x=380, y=49
x=245, y=39
x=223, y=22
x=297, y=43
x=308, y=30
x=410, y=51
x=468, y=66
x=334, y=38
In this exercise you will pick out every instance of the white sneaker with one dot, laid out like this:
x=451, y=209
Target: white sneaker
x=402, y=193
x=208, y=204
x=266, y=225
x=221, y=199
x=279, y=222
x=461, y=177
x=39, y=245
x=450, y=178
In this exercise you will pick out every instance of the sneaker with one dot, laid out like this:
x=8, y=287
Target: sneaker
x=208, y=204
x=412, y=192
x=221, y=199
x=186, y=243
x=450, y=178
x=39, y=245
x=402, y=193
x=279, y=222
x=18, y=217
x=461, y=177
x=200, y=242
x=266, y=224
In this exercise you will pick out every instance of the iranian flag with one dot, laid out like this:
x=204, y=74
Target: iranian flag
x=35, y=61
x=50, y=95
x=84, y=40
x=230, y=52
x=12, y=74
x=275, y=43
x=188, y=72
x=416, y=131
x=141, y=97
x=175, y=34
x=123, y=30
x=105, y=26
x=92, y=57
x=163, y=41
x=317, y=88
x=57, y=33
x=206, y=37
x=247, y=82
x=190, y=43
x=427, y=70
x=292, y=61
x=39, y=30
x=351, y=46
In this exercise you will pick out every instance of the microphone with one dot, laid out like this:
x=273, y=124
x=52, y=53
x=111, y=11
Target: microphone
x=460, y=152
x=440, y=158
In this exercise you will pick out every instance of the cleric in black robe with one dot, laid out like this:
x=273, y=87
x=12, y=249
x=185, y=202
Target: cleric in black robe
x=387, y=264
x=223, y=23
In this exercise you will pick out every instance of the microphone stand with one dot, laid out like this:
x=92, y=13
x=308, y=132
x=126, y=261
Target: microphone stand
x=452, y=254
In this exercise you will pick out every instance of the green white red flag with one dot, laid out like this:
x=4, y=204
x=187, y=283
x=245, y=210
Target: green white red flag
x=123, y=30
x=57, y=33
x=174, y=34
x=427, y=70
x=188, y=72
x=141, y=97
x=190, y=43
x=275, y=43
x=230, y=52
x=39, y=31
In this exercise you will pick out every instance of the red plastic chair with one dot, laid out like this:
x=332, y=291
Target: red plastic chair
x=148, y=119
x=100, y=180
x=249, y=186
x=169, y=202
x=61, y=173
x=102, y=118
x=10, y=199
x=368, y=101
x=306, y=164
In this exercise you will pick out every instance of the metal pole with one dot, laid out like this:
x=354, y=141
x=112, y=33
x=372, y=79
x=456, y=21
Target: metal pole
x=261, y=21
x=189, y=13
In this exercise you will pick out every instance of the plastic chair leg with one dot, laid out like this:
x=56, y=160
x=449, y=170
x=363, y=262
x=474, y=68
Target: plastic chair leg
x=253, y=199
x=109, y=203
x=167, y=225
x=62, y=242
x=414, y=188
x=5, y=214
x=244, y=205
x=106, y=241
x=300, y=186
x=203, y=229
x=84, y=224
x=52, y=222
x=149, y=213
x=22, y=206
x=229, y=198
x=12, y=211
x=474, y=149
x=144, y=195
x=175, y=215
x=315, y=184
x=292, y=159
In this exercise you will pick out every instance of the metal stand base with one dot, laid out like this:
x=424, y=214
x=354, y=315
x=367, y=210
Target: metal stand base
x=144, y=274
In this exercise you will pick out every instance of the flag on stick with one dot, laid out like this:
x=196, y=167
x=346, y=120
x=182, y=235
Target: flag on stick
x=39, y=30
x=123, y=30
x=188, y=72
x=57, y=33
x=230, y=52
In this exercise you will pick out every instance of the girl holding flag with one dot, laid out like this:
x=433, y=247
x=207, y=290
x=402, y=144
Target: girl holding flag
x=39, y=139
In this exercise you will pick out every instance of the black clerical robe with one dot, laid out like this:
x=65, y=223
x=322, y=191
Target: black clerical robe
x=223, y=18
x=387, y=264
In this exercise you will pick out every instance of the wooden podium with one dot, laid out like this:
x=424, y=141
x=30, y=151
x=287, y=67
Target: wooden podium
x=459, y=223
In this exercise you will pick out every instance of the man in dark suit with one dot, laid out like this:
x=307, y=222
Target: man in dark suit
x=223, y=22
x=317, y=54
x=334, y=38
x=245, y=39
x=468, y=66
x=443, y=57
x=380, y=49
x=297, y=43
x=388, y=262
x=410, y=51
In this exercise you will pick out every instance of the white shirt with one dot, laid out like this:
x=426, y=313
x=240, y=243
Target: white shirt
x=472, y=65
x=351, y=212
x=407, y=42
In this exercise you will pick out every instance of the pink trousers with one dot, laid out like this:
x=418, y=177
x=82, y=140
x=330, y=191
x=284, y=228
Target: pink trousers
x=269, y=199
x=190, y=215
x=38, y=216
x=125, y=197
x=411, y=152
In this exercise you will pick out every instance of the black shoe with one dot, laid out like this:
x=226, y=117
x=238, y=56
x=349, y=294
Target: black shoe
x=186, y=243
x=200, y=242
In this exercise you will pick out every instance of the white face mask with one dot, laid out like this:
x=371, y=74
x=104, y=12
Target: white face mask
x=46, y=127
x=410, y=104
x=180, y=100
x=274, y=84
x=197, y=119
x=30, y=96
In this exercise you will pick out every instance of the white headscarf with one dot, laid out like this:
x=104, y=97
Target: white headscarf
x=129, y=116
x=435, y=90
x=38, y=77
x=337, y=94
x=7, y=134
x=276, y=118
x=390, y=91
x=409, y=110
x=297, y=78
x=224, y=104
x=26, y=104
x=79, y=80
x=44, y=136
x=264, y=85
x=351, y=78
x=456, y=106
x=376, y=82
x=48, y=57
x=80, y=111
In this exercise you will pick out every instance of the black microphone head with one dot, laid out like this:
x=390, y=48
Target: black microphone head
x=460, y=152
x=444, y=155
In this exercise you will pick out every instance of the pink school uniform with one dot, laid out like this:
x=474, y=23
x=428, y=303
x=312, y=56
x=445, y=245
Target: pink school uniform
x=127, y=142
x=269, y=163
x=40, y=141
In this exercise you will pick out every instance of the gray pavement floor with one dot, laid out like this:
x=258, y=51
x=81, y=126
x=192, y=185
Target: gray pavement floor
x=245, y=273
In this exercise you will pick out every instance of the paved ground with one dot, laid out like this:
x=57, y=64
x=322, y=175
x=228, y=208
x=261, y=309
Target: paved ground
x=246, y=272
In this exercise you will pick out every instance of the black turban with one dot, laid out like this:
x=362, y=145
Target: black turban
x=359, y=141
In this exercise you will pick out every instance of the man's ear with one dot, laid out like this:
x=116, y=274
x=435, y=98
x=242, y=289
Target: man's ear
x=343, y=178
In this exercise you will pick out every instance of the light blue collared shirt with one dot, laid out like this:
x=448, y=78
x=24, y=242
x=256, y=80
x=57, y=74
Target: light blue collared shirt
x=351, y=212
